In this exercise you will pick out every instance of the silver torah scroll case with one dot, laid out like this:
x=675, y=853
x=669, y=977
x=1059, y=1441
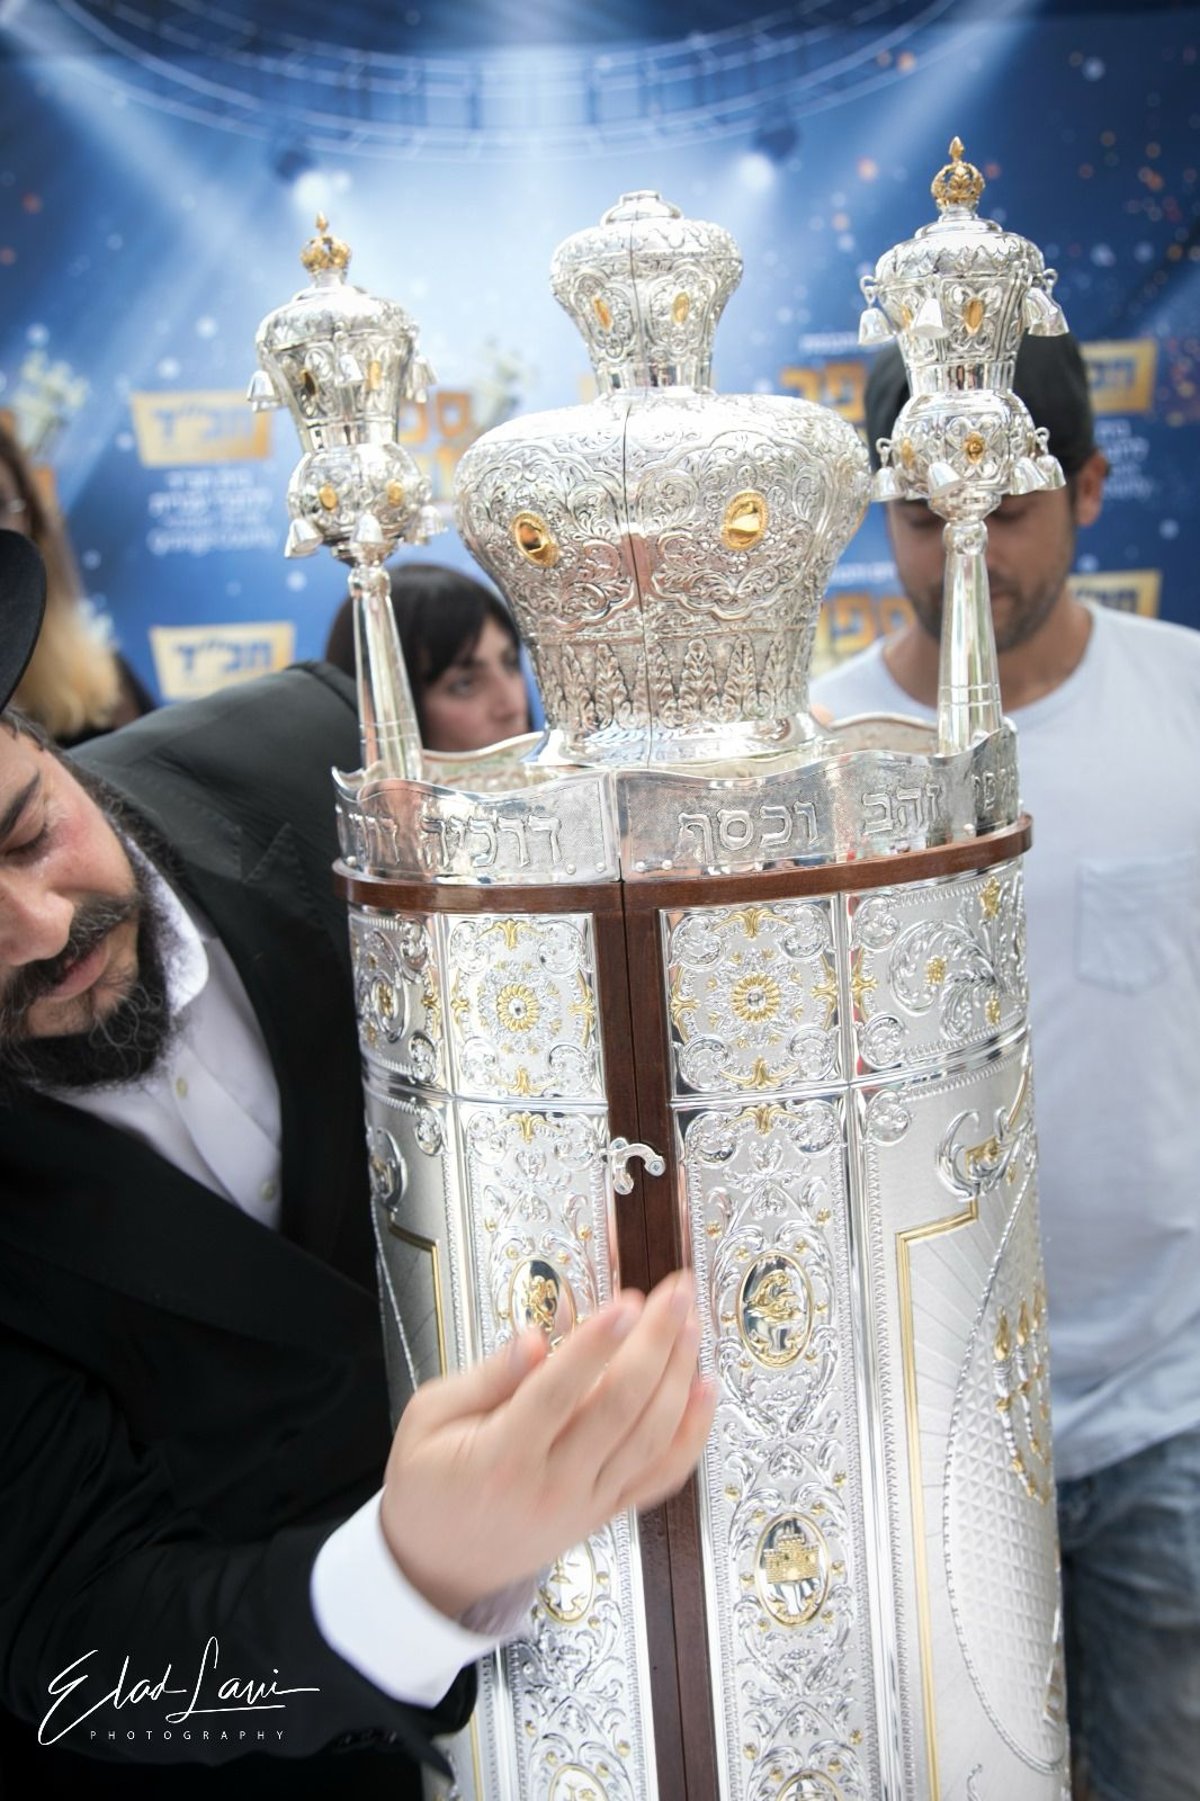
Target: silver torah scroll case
x=689, y=979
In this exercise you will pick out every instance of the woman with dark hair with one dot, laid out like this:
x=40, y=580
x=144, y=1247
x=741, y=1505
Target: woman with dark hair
x=76, y=686
x=462, y=654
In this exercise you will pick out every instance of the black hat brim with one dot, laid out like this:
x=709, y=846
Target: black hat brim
x=22, y=604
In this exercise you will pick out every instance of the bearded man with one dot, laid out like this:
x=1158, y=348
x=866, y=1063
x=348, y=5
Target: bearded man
x=198, y=1563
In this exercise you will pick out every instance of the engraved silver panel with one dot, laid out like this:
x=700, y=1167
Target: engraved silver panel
x=753, y=997
x=522, y=1005
x=398, y=995
x=937, y=969
x=856, y=799
x=488, y=1140
x=785, y=1537
x=853, y=798
x=955, y=1274
x=546, y=831
x=879, y=1532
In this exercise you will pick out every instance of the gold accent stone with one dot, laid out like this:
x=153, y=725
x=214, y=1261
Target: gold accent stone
x=374, y=375
x=792, y=1570
x=774, y=1310
x=517, y=1007
x=681, y=306
x=534, y=539
x=745, y=520
x=541, y=1296
x=327, y=494
x=603, y=312
x=973, y=314
x=395, y=493
x=756, y=997
x=974, y=446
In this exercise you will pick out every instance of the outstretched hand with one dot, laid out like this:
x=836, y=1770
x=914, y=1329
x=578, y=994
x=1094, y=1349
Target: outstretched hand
x=493, y=1473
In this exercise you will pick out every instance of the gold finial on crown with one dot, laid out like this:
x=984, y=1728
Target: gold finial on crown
x=958, y=183
x=324, y=251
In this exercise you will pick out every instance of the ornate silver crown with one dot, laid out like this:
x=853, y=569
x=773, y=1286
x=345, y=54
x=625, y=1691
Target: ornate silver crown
x=958, y=296
x=647, y=287
x=665, y=549
x=343, y=361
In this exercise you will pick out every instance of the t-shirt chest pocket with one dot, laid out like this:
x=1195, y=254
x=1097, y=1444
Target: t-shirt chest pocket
x=1136, y=919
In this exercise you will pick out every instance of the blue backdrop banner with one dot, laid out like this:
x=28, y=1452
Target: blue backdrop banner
x=160, y=170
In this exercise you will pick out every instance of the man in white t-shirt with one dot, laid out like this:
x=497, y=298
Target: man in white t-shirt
x=1107, y=708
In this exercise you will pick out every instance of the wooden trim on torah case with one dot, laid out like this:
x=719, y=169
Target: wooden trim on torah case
x=687, y=891
x=650, y=1226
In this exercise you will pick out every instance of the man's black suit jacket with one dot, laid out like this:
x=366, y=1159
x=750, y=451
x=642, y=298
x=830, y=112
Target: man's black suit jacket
x=188, y=1399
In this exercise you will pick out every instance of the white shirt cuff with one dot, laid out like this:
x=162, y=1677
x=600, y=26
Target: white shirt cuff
x=370, y=1614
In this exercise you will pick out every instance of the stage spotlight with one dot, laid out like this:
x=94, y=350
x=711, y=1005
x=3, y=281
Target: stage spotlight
x=290, y=162
x=756, y=170
x=777, y=138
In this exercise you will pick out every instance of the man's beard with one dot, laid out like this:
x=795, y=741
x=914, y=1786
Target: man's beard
x=1013, y=625
x=1029, y=603
x=130, y=1039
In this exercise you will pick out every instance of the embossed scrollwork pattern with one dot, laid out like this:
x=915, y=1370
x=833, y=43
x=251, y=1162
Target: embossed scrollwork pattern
x=397, y=995
x=999, y=1476
x=538, y=1185
x=748, y=997
x=523, y=1006
x=664, y=548
x=951, y=977
x=765, y=1198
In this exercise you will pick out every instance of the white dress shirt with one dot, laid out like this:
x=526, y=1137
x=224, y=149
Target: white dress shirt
x=212, y=1109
